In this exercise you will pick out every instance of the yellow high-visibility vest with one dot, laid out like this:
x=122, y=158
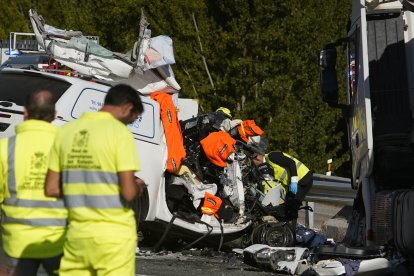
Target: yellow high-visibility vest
x=33, y=225
x=89, y=152
x=282, y=174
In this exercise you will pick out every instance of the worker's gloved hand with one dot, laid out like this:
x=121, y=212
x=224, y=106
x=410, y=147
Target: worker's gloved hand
x=293, y=188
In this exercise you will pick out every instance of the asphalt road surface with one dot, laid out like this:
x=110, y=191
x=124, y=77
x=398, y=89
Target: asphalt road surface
x=207, y=263
x=214, y=263
x=188, y=264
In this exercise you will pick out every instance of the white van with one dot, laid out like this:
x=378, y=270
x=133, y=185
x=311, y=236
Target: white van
x=170, y=208
x=75, y=96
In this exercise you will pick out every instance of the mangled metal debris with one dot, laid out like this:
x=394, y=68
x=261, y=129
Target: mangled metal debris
x=147, y=68
x=280, y=259
x=302, y=261
x=324, y=258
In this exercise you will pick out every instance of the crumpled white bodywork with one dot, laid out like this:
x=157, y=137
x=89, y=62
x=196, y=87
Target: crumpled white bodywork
x=147, y=69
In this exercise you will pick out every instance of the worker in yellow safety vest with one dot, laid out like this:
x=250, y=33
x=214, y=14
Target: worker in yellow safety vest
x=33, y=226
x=94, y=157
x=295, y=177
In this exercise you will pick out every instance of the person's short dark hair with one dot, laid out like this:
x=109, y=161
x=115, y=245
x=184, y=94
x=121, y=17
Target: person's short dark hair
x=40, y=105
x=122, y=94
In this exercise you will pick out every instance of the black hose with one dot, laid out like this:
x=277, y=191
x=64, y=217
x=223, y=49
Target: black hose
x=221, y=236
x=209, y=230
x=253, y=205
x=167, y=229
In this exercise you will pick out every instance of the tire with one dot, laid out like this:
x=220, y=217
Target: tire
x=141, y=207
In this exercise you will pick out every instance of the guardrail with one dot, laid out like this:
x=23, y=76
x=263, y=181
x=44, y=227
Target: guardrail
x=328, y=189
x=331, y=189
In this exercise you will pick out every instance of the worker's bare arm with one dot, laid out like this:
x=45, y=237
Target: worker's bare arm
x=52, y=184
x=131, y=186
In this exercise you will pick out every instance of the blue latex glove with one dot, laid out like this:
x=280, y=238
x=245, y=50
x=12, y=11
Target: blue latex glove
x=293, y=187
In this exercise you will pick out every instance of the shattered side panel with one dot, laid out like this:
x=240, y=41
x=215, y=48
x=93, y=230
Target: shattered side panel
x=148, y=71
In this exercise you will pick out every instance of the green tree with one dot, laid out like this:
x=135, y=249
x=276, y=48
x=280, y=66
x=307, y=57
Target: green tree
x=258, y=58
x=13, y=17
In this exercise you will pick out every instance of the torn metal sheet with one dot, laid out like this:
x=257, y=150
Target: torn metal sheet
x=147, y=68
x=277, y=259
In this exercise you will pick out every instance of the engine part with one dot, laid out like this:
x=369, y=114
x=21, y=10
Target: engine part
x=233, y=185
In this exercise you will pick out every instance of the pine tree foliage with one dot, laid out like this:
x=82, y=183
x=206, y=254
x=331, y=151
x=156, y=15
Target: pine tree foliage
x=256, y=57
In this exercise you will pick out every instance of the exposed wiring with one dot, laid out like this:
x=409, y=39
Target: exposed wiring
x=167, y=229
x=221, y=235
x=253, y=205
x=209, y=230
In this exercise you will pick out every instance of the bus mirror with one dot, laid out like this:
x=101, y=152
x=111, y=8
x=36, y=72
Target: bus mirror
x=327, y=57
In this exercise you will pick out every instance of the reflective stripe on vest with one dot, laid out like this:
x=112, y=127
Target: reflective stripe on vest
x=285, y=173
x=90, y=177
x=13, y=201
x=11, y=179
x=19, y=202
x=283, y=177
x=36, y=221
x=94, y=201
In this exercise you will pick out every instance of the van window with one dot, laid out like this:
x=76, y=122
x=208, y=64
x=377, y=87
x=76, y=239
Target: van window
x=14, y=87
x=144, y=126
x=89, y=100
